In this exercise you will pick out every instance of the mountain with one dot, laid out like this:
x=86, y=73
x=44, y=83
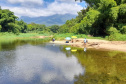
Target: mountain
x=48, y=20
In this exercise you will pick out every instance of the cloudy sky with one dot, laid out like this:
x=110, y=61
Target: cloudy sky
x=36, y=8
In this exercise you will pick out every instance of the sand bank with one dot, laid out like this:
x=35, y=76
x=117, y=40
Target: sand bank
x=96, y=43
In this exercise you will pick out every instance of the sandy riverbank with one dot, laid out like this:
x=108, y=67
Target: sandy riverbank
x=96, y=43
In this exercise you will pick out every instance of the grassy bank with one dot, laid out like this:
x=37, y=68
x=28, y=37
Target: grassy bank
x=63, y=36
x=114, y=37
x=8, y=37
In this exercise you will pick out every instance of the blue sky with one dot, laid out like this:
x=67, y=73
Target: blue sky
x=36, y=8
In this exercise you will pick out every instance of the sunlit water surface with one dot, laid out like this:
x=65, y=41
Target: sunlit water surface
x=22, y=62
x=37, y=64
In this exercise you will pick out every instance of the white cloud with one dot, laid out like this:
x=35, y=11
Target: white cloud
x=63, y=8
x=66, y=0
x=26, y=2
x=26, y=67
x=53, y=8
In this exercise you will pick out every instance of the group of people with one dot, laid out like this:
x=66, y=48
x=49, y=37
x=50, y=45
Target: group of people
x=85, y=41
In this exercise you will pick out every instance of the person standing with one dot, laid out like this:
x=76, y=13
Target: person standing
x=85, y=41
x=53, y=39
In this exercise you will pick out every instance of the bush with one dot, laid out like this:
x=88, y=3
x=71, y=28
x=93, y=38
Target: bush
x=123, y=30
x=122, y=9
x=114, y=13
x=112, y=30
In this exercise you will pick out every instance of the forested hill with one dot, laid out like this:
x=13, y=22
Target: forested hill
x=56, y=19
x=100, y=18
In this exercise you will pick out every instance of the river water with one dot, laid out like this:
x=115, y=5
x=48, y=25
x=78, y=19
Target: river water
x=37, y=62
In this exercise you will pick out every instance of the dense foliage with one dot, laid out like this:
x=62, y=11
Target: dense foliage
x=98, y=18
x=9, y=22
x=41, y=28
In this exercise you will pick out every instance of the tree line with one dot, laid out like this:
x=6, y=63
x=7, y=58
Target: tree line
x=10, y=23
x=100, y=18
x=41, y=28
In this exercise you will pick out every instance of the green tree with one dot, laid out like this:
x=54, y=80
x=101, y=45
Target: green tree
x=23, y=26
x=54, y=28
x=66, y=28
x=123, y=30
x=14, y=28
x=110, y=13
x=82, y=14
x=6, y=18
x=88, y=22
x=41, y=27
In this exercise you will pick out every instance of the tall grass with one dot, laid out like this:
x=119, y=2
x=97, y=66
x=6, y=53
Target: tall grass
x=63, y=36
x=23, y=35
x=117, y=37
x=10, y=36
x=5, y=37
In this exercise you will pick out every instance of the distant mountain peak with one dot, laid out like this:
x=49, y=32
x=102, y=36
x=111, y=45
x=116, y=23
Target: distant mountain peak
x=57, y=19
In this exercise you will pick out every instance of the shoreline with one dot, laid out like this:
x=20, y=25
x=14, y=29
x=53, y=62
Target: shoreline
x=96, y=44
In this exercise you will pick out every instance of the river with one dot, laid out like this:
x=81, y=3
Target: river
x=37, y=62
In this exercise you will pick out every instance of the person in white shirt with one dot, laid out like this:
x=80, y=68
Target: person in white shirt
x=85, y=41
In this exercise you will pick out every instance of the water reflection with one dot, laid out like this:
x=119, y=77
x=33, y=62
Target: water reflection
x=68, y=48
x=85, y=49
x=12, y=44
x=102, y=67
x=53, y=44
x=38, y=64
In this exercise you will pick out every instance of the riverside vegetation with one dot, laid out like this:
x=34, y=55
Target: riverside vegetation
x=102, y=18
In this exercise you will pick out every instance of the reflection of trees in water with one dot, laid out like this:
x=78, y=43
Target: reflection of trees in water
x=101, y=67
x=102, y=78
x=7, y=52
x=11, y=45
